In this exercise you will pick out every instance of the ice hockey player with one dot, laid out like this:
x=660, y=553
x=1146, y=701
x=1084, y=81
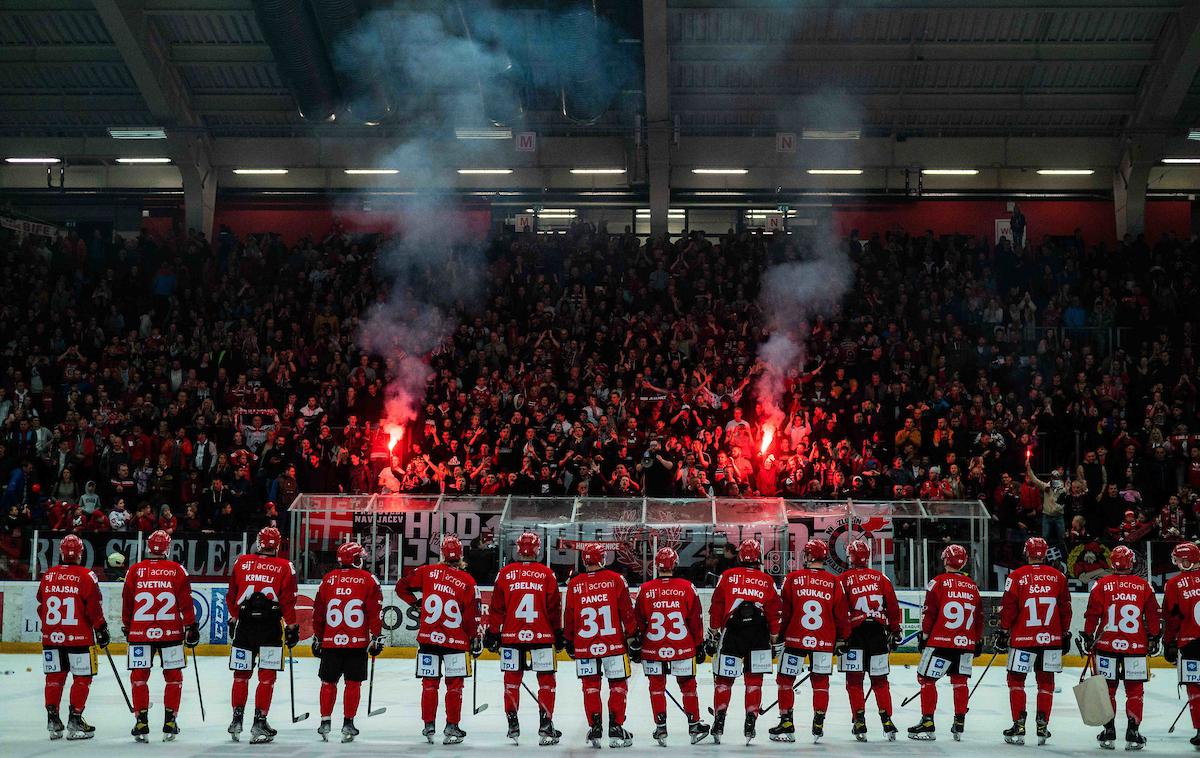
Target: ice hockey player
x=1035, y=623
x=743, y=621
x=157, y=618
x=1181, y=634
x=951, y=636
x=814, y=620
x=598, y=621
x=347, y=623
x=671, y=633
x=262, y=593
x=874, y=633
x=71, y=615
x=1132, y=627
x=525, y=626
x=449, y=630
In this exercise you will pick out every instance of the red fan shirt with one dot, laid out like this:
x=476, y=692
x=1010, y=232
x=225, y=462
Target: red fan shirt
x=815, y=615
x=871, y=597
x=1122, y=613
x=952, y=616
x=743, y=584
x=449, y=605
x=271, y=575
x=1036, y=607
x=156, y=603
x=598, y=616
x=1181, y=608
x=668, y=616
x=348, y=609
x=525, y=607
x=69, y=606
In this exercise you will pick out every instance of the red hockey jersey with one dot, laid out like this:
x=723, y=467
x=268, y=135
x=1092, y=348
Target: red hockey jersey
x=668, y=615
x=1181, y=608
x=348, y=609
x=1036, y=607
x=156, y=603
x=815, y=615
x=449, y=604
x=598, y=616
x=69, y=606
x=273, y=576
x=743, y=584
x=525, y=607
x=952, y=616
x=870, y=597
x=1122, y=613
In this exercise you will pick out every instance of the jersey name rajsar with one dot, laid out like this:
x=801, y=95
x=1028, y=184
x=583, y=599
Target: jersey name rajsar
x=348, y=609
x=668, y=614
x=69, y=606
x=1122, y=613
x=1036, y=607
x=814, y=610
x=1181, y=609
x=598, y=616
x=525, y=608
x=952, y=616
x=449, y=605
x=156, y=601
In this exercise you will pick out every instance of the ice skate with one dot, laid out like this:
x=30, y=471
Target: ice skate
x=924, y=730
x=1195, y=741
x=785, y=731
x=349, y=731
x=1108, y=737
x=260, y=730
x=958, y=727
x=595, y=730
x=141, y=727
x=514, y=728
x=660, y=729
x=748, y=730
x=1043, y=733
x=452, y=735
x=1015, y=734
x=547, y=734
x=170, y=727
x=235, y=724
x=428, y=731
x=54, y=724
x=889, y=728
x=618, y=735
x=718, y=727
x=697, y=731
x=858, y=727
x=1133, y=738
x=77, y=728
x=818, y=727
x=324, y=729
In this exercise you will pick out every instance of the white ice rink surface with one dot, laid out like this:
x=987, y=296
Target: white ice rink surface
x=397, y=732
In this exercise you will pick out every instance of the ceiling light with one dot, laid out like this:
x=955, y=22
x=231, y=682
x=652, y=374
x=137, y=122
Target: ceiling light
x=1066, y=171
x=720, y=171
x=597, y=171
x=673, y=213
x=370, y=171
x=950, y=171
x=483, y=133
x=550, y=210
x=835, y=171
x=831, y=134
x=271, y=171
x=149, y=132
x=485, y=171
x=143, y=160
x=552, y=216
x=1181, y=160
x=32, y=160
x=1194, y=133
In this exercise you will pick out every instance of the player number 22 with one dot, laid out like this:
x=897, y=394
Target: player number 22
x=145, y=606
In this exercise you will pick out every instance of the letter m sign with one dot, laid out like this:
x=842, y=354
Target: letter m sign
x=526, y=142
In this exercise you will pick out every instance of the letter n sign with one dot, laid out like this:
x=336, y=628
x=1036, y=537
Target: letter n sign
x=785, y=142
x=526, y=142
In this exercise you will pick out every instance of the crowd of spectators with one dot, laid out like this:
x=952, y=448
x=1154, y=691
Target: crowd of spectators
x=199, y=385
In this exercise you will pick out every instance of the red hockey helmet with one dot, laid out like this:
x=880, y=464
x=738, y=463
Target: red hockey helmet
x=71, y=549
x=749, y=552
x=955, y=557
x=859, y=553
x=593, y=554
x=269, y=540
x=816, y=550
x=452, y=551
x=1121, y=558
x=351, y=554
x=158, y=543
x=1185, y=556
x=666, y=559
x=529, y=545
x=1036, y=549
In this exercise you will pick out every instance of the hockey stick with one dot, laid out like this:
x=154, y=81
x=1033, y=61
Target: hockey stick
x=676, y=702
x=199, y=691
x=121, y=684
x=535, y=697
x=981, y=676
x=292, y=686
x=796, y=686
x=1176, y=721
x=475, y=706
x=371, y=693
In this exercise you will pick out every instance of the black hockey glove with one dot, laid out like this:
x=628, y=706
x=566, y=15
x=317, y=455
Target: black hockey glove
x=191, y=635
x=476, y=646
x=1000, y=641
x=978, y=648
x=1089, y=642
x=560, y=641
x=491, y=641
x=102, y=636
x=1066, y=643
x=711, y=642
x=634, y=646
x=700, y=656
x=839, y=647
x=376, y=646
x=291, y=635
x=316, y=646
x=233, y=625
x=922, y=641
x=1171, y=653
x=893, y=640
x=1153, y=645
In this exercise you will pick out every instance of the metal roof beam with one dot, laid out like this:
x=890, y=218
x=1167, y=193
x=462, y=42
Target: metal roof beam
x=1163, y=92
x=199, y=53
x=958, y=6
x=658, y=111
x=931, y=100
x=927, y=52
x=54, y=54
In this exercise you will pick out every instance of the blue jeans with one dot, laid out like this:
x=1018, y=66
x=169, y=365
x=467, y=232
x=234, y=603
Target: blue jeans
x=1054, y=530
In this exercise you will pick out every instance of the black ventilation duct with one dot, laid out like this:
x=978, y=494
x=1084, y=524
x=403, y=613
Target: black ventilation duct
x=291, y=32
x=366, y=99
x=584, y=98
x=498, y=78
